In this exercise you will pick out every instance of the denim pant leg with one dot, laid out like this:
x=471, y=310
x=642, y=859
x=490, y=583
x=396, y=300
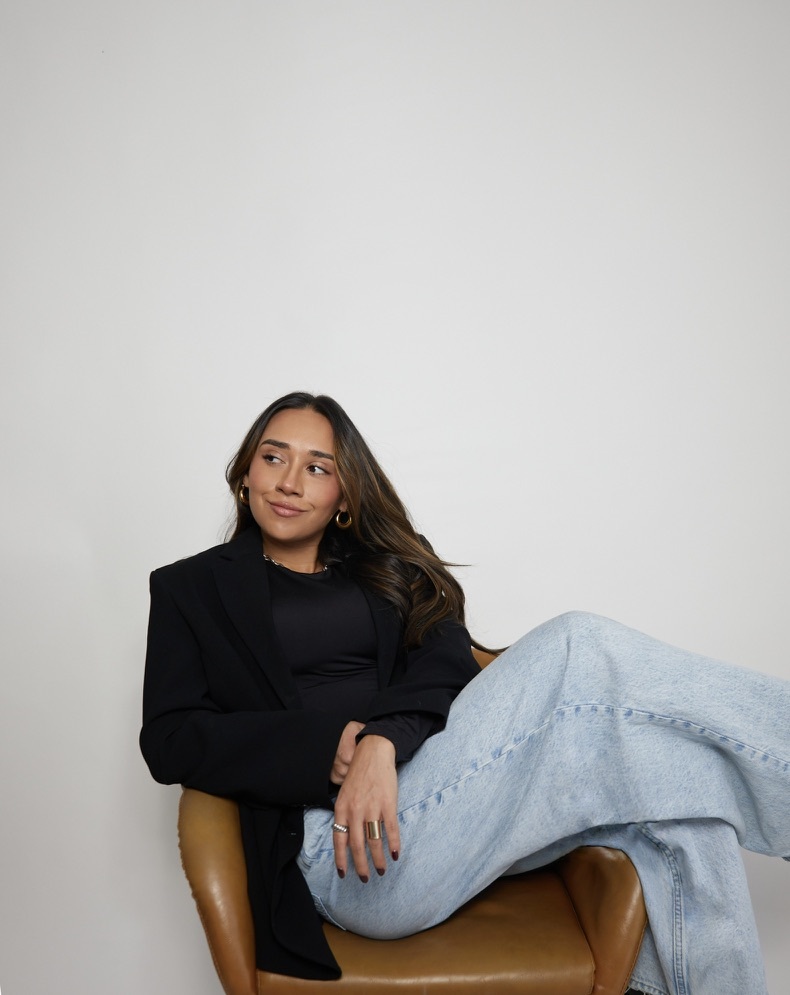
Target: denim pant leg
x=695, y=887
x=582, y=724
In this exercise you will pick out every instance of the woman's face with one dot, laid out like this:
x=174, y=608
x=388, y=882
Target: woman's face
x=293, y=486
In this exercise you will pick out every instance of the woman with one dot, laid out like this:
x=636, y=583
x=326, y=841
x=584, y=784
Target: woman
x=307, y=668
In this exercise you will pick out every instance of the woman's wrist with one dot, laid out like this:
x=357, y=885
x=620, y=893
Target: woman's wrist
x=377, y=741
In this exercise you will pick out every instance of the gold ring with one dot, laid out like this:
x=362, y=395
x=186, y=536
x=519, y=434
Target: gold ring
x=374, y=830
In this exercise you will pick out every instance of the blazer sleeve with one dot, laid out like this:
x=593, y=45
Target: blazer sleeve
x=428, y=678
x=259, y=755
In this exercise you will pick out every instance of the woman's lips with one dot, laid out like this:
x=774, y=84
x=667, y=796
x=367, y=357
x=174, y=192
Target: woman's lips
x=285, y=510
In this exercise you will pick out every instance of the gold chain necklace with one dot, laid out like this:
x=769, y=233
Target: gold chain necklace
x=323, y=569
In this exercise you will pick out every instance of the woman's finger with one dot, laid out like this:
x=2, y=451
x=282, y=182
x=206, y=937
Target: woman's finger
x=376, y=837
x=359, y=853
x=340, y=844
x=393, y=834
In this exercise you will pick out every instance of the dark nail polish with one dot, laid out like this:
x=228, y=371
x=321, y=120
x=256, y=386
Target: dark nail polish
x=380, y=872
x=395, y=855
x=340, y=873
x=364, y=878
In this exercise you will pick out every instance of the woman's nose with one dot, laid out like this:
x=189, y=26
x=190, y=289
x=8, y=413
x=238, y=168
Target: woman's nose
x=289, y=481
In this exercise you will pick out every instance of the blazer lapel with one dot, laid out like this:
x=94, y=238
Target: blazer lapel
x=243, y=586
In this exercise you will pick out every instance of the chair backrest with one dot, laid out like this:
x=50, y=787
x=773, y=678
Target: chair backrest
x=483, y=657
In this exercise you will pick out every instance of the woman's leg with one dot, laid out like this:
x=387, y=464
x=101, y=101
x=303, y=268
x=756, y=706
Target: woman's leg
x=583, y=723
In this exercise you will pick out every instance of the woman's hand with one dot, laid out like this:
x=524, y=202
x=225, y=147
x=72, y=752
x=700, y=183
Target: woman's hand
x=369, y=793
x=346, y=749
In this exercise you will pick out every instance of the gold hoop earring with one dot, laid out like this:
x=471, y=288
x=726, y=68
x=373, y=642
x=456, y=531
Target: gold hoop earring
x=244, y=500
x=346, y=523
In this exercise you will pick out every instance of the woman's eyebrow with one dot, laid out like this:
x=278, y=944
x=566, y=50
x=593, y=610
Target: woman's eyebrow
x=287, y=445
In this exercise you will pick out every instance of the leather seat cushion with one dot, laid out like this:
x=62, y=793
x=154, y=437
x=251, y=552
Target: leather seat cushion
x=520, y=936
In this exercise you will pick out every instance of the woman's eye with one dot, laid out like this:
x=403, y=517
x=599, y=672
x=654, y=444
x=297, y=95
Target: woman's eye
x=316, y=470
x=270, y=457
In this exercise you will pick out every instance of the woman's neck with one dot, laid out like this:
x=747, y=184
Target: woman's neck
x=302, y=561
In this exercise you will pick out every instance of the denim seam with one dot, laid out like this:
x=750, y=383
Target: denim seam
x=503, y=752
x=677, y=911
x=322, y=911
x=674, y=720
x=626, y=712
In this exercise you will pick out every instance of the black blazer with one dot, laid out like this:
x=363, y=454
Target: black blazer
x=222, y=713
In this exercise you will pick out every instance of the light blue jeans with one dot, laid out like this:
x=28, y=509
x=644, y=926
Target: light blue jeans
x=586, y=731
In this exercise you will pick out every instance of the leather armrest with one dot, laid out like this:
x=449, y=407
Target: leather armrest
x=605, y=891
x=212, y=855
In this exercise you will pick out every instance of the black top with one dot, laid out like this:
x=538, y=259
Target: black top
x=327, y=638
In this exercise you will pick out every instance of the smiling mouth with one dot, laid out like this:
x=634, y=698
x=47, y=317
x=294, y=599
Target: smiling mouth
x=285, y=510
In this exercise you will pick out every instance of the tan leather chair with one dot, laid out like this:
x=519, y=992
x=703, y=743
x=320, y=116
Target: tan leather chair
x=573, y=928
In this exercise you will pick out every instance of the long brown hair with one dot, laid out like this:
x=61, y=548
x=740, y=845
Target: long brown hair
x=381, y=549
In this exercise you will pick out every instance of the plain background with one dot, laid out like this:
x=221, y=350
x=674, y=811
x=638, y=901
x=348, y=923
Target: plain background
x=538, y=250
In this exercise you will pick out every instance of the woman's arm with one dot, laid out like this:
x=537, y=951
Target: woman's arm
x=425, y=683
x=428, y=678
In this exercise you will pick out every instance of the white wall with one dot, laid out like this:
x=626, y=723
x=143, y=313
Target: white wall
x=539, y=250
